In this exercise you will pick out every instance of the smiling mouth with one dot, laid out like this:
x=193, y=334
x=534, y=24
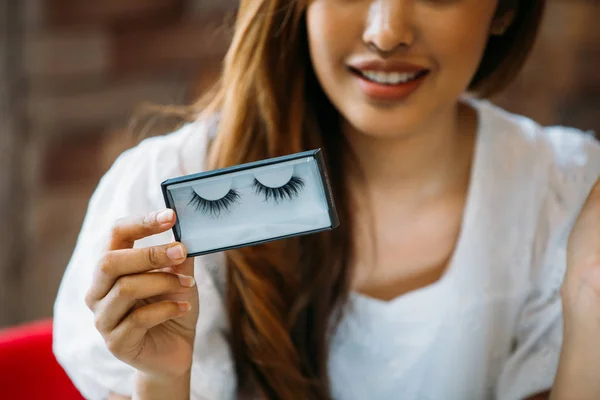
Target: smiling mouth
x=389, y=78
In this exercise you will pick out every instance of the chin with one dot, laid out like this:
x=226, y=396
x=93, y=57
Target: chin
x=383, y=123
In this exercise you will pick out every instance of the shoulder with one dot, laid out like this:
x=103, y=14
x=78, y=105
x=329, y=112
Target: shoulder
x=132, y=184
x=138, y=171
x=168, y=153
x=575, y=154
x=561, y=156
x=555, y=168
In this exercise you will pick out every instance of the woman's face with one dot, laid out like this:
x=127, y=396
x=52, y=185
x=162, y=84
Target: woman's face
x=390, y=66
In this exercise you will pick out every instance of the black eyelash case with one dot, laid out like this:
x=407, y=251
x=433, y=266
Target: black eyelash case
x=251, y=203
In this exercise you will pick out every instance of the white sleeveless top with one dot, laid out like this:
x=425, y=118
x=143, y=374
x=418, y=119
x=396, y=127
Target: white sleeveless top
x=489, y=328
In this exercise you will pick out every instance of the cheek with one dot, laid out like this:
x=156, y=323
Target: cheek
x=319, y=39
x=329, y=39
x=463, y=47
x=457, y=43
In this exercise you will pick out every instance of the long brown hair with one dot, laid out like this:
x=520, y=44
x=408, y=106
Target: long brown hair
x=284, y=297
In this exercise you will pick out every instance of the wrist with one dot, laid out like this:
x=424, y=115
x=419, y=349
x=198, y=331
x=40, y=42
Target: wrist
x=158, y=387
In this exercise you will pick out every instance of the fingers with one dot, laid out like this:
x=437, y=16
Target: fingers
x=117, y=263
x=130, y=333
x=185, y=268
x=129, y=229
x=130, y=289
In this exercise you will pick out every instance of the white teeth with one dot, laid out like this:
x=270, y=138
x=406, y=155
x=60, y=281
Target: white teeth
x=392, y=78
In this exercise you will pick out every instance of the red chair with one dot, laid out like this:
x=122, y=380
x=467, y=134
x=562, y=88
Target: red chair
x=28, y=368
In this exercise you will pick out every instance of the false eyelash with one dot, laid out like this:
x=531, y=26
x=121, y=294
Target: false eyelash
x=287, y=191
x=214, y=208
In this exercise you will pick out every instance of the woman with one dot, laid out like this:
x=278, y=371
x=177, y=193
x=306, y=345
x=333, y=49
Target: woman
x=442, y=282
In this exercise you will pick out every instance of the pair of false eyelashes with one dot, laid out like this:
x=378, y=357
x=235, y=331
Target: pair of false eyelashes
x=214, y=208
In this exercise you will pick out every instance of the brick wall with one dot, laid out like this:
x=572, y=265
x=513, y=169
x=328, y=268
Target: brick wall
x=83, y=67
x=561, y=83
x=11, y=154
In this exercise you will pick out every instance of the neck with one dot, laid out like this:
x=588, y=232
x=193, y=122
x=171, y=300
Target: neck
x=419, y=164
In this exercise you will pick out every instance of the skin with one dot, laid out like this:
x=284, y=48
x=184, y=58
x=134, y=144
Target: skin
x=577, y=376
x=416, y=156
x=446, y=36
x=146, y=306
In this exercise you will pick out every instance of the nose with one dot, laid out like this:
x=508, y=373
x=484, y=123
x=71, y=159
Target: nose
x=389, y=25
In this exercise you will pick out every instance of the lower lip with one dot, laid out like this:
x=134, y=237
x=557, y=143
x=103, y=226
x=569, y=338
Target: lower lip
x=381, y=92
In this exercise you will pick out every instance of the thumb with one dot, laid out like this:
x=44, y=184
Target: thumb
x=187, y=267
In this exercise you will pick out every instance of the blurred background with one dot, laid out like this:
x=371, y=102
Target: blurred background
x=73, y=72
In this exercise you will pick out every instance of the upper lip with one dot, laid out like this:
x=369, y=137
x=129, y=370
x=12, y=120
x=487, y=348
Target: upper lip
x=386, y=66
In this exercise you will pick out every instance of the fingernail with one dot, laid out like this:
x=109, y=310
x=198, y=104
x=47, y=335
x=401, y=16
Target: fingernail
x=175, y=252
x=184, y=306
x=165, y=216
x=186, y=281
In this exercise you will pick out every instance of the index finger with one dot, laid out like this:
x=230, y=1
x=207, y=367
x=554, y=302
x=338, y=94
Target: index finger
x=129, y=229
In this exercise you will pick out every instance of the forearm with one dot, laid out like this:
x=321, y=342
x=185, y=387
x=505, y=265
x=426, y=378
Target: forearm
x=578, y=375
x=147, y=388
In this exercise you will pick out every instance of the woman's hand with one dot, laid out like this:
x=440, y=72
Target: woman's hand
x=145, y=300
